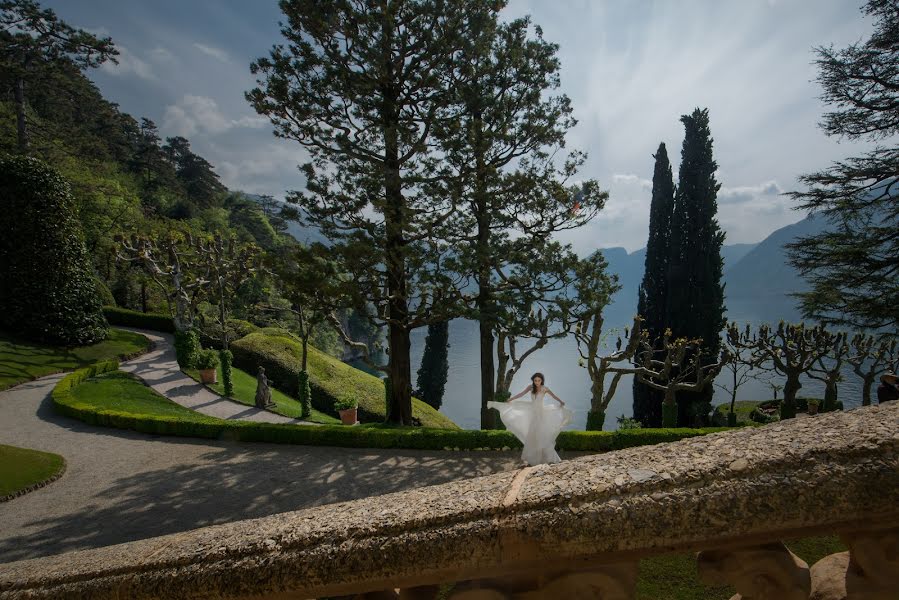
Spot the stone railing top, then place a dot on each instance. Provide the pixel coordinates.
(833, 472)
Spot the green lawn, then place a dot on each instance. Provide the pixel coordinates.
(23, 361)
(742, 408)
(21, 468)
(245, 393)
(674, 577)
(119, 391)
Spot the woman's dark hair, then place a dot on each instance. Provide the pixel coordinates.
(534, 385)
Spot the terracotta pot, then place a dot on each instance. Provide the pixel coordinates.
(348, 416)
(209, 375)
(813, 409)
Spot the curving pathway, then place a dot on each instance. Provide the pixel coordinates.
(122, 485)
(159, 369)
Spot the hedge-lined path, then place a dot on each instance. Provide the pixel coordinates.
(159, 369)
(122, 485)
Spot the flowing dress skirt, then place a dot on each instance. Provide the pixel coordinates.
(536, 425)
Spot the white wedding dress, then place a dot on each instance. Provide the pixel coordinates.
(535, 424)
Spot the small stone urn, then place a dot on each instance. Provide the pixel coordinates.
(813, 408)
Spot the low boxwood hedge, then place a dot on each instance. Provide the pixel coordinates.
(363, 436)
(134, 318)
(329, 378)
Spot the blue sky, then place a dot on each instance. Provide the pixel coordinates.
(631, 68)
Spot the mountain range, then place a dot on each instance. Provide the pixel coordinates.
(758, 277)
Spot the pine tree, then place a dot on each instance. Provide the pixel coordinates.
(363, 87)
(695, 307)
(434, 365)
(851, 267)
(653, 292)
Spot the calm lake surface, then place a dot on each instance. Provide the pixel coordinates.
(558, 360)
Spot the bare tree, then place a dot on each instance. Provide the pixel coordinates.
(790, 350)
(740, 368)
(174, 263)
(672, 366)
(870, 356)
(228, 267)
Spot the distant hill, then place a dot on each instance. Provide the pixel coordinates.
(629, 268)
(758, 286)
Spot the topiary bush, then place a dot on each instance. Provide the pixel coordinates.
(47, 288)
(187, 348)
(207, 360)
(305, 394)
(226, 359)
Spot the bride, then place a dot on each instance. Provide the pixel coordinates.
(534, 423)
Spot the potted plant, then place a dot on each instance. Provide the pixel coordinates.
(812, 406)
(347, 407)
(207, 363)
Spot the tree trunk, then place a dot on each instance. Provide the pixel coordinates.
(400, 364)
(223, 316)
(486, 309)
(20, 115)
(866, 389)
(791, 388)
(305, 351)
(143, 296)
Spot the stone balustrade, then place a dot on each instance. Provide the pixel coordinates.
(572, 530)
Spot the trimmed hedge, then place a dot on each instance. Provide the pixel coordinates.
(135, 318)
(371, 436)
(329, 378)
(48, 292)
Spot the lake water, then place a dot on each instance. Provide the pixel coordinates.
(558, 360)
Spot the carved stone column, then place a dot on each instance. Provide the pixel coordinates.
(605, 582)
(767, 572)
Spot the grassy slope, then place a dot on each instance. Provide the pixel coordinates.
(245, 393)
(337, 378)
(21, 468)
(123, 392)
(23, 361)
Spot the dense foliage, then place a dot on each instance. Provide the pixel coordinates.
(47, 288)
(434, 367)
(652, 300)
(695, 304)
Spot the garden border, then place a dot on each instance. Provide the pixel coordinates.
(36, 486)
(340, 435)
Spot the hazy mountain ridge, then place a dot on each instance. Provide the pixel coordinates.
(758, 277)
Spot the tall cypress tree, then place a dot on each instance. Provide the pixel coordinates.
(434, 367)
(653, 293)
(695, 307)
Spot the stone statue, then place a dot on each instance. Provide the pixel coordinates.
(263, 393)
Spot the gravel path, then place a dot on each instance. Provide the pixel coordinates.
(159, 369)
(122, 485)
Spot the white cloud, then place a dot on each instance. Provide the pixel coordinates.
(128, 64)
(193, 114)
(216, 53)
(645, 184)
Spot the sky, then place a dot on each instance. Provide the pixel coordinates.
(630, 67)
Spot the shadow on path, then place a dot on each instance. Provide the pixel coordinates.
(234, 482)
